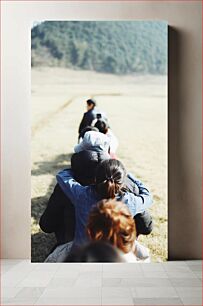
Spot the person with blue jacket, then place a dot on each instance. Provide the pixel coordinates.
(109, 180)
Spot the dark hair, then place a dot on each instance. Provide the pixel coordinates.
(99, 116)
(97, 251)
(84, 165)
(111, 221)
(88, 129)
(102, 126)
(110, 175)
(91, 102)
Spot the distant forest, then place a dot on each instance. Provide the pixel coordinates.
(118, 47)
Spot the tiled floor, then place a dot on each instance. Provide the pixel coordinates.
(171, 283)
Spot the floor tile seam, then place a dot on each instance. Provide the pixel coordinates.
(187, 285)
(10, 272)
(174, 287)
(9, 301)
(201, 269)
(190, 272)
(177, 271)
(181, 298)
(27, 262)
(162, 288)
(20, 288)
(46, 286)
(169, 278)
(196, 262)
(21, 279)
(158, 298)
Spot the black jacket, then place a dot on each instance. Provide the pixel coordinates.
(87, 119)
(59, 215)
(59, 218)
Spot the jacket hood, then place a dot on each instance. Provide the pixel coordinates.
(94, 141)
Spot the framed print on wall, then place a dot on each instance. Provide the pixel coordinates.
(99, 141)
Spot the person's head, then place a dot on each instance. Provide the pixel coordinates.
(95, 251)
(88, 129)
(102, 126)
(94, 141)
(110, 176)
(84, 165)
(91, 103)
(111, 221)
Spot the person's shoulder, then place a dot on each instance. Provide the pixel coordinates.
(64, 172)
(110, 133)
(86, 114)
(125, 196)
(90, 114)
(86, 189)
(91, 191)
(88, 195)
(93, 113)
(131, 176)
(90, 188)
(130, 257)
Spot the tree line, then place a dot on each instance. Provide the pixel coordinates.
(118, 47)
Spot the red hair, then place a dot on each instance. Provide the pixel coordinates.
(111, 221)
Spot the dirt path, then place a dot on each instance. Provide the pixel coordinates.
(137, 111)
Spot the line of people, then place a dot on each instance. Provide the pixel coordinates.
(97, 209)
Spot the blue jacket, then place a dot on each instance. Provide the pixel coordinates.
(85, 197)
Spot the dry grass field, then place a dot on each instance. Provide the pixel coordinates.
(137, 110)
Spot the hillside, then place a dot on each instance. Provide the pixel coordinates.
(118, 47)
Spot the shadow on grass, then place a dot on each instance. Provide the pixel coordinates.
(42, 243)
(53, 166)
(41, 246)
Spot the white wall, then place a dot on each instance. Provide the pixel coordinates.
(184, 18)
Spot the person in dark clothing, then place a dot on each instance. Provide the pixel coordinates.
(143, 223)
(59, 215)
(95, 251)
(109, 180)
(89, 116)
(84, 165)
(87, 129)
